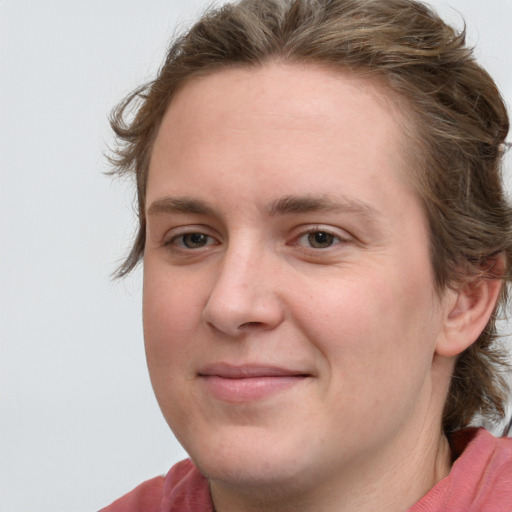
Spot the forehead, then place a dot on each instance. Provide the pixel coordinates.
(265, 119)
(309, 92)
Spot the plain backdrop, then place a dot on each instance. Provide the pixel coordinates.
(79, 425)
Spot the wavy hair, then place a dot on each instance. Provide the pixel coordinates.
(457, 142)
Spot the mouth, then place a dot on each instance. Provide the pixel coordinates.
(247, 383)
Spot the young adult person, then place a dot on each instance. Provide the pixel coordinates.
(326, 247)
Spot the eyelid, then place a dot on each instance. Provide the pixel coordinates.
(182, 246)
(342, 235)
(178, 232)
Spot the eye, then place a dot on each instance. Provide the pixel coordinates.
(191, 241)
(319, 239)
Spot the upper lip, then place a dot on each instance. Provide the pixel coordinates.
(230, 371)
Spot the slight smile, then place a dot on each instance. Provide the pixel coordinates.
(245, 383)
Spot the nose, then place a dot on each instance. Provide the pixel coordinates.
(244, 295)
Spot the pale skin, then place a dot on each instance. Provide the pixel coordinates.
(295, 340)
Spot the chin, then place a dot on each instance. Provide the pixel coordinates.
(251, 460)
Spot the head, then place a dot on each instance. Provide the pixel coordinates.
(454, 127)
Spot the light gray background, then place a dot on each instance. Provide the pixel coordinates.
(78, 423)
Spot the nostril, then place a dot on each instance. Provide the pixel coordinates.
(249, 325)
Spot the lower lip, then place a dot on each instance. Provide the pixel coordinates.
(249, 388)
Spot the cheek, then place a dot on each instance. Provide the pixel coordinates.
(170, 314)
(373, 324)
(170, 319)
(378, 346)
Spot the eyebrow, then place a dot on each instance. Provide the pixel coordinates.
(179, 205)
(283, 206)
(306, 204)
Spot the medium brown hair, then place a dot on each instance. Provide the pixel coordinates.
(457, 142)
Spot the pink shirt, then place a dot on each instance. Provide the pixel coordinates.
(480, 481)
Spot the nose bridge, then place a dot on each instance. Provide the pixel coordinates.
(243, 295)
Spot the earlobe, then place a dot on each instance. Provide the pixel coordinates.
(468, 310)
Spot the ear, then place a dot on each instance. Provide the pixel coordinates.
(468, 309)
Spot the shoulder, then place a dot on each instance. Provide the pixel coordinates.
(485, 471)
(145, 497)
(480, 479)
(482, 456)
(184, 489)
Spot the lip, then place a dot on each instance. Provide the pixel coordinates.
(245, 383)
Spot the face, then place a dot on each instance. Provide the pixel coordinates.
(290, 316)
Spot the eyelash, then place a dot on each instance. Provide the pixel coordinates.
(174, 241)
(178, 242)
(335, 239)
